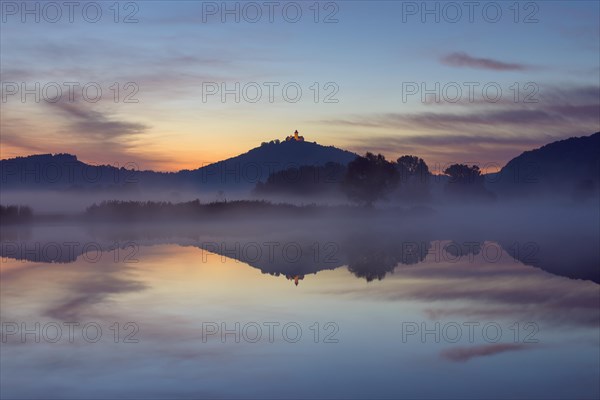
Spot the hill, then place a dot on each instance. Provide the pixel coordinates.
(565, 168)
(66, 172)
(246, 170)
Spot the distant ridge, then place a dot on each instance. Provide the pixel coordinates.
(569, 167)
(65, 171)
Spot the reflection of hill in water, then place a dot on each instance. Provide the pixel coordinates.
(367, 256)
(369, 253)
(570, 256)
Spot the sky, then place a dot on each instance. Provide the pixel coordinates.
(179, 84)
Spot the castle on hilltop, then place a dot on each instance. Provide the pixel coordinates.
(296, 137)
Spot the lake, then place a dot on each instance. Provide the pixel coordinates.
(159, 312)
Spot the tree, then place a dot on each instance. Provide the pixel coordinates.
(369, 178)
(463, 174)
(414, 178)
(15, 214)
(307, 180)
(466, 182)
(413, 166)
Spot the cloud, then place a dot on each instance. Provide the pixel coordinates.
(492, 117)
(92, 131)
(95, 123)
(463, 354)
(495, 132)
(441, 149)
(436, 146)
(13, 137)
(554, 106)
(460, 59)
(509, 115)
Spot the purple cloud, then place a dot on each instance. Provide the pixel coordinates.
(85, 120)
(463, 354)
(460, 59)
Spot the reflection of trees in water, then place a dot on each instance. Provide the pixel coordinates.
(15, 214)
(369, 254)
(372, 257)
(372, 264)
(463, 249)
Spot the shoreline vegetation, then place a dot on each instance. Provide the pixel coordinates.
(196, 211)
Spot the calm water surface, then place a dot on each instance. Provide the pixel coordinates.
(178, 319)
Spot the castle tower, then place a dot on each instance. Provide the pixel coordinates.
(296, 137)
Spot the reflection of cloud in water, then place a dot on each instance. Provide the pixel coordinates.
(71, 291)
(462, 354)
(504, 289)
(89, 293)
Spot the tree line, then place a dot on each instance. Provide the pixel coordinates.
(371, 177)
(15, 214)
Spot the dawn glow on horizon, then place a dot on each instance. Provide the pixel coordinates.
(367, 76)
